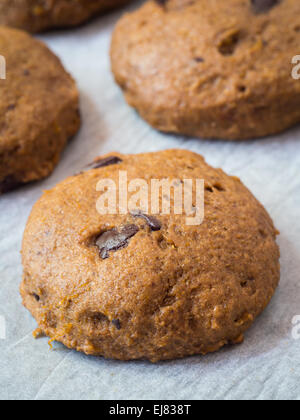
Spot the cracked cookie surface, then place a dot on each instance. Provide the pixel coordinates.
(211, 69)
(136, 285)
(39, 110)
(39, 15)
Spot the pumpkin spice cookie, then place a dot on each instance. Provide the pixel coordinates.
(134, 285)
(211, 69)
(39, 15)
(38, 110)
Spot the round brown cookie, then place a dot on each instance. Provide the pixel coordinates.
(211, 69)
(39, 15)
(38, 109)
(130, 286)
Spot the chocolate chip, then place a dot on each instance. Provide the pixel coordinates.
(101, 163)
(152, 221)
(8, 184)
(199, 59)
(116, 323)
(113, 240)
(36, 297)
(262, 6)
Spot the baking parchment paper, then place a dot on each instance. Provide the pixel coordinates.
(266, 366)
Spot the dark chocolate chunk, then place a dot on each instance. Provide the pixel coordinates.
(262, 6)
(36, 297)
(199, 59)
(101, 163)
(116, 323)
(151, 220)
(8, 184)
(113, 240)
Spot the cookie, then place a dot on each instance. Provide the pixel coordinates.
(134, 285)
(39, 15)
(211, 69)
(38, 109)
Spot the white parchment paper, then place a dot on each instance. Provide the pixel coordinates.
(266, 366)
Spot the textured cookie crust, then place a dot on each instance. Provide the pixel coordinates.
(39, 15)
(172, 290)
(211, 69)
(38, 109)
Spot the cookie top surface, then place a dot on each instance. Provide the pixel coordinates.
(38, 107)
(151, 287)
(211, 68)
(36, 15)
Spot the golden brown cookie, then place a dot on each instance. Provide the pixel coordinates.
(130, 286)
(38, 109)
(211, 69)
(38, 15)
